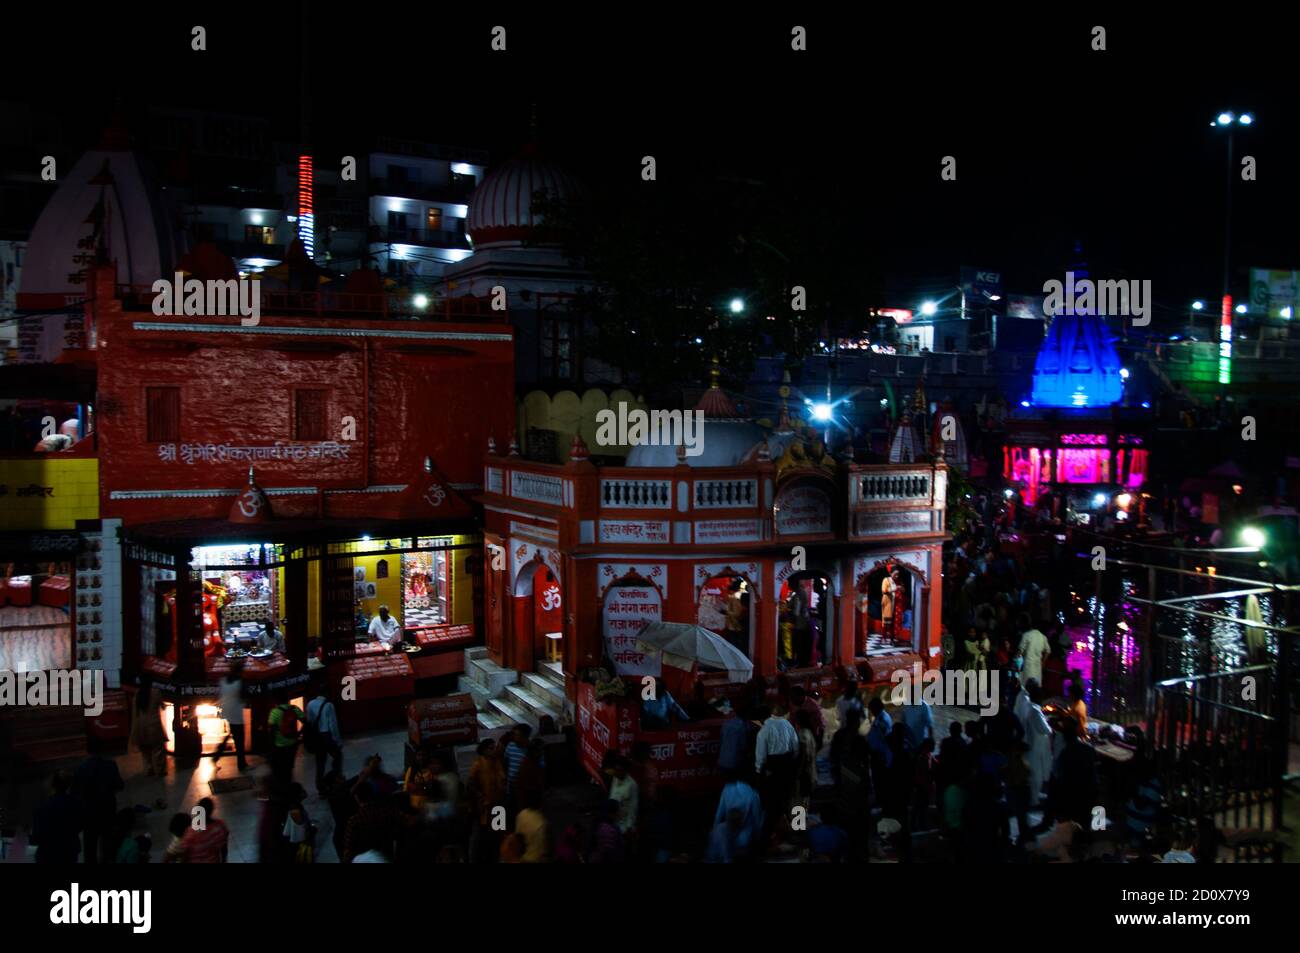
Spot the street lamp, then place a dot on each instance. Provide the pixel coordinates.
(737, 305)
(1229, 121)
(1253, 537)
(1198, 305)
(929, 309)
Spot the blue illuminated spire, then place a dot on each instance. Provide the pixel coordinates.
(1077, 365)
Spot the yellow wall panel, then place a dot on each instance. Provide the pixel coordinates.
(73, 492)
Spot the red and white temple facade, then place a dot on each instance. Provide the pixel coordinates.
(768, 519)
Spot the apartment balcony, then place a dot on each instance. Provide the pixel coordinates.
(420, 236)
(456, 193)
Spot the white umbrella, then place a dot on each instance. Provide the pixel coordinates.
(685, 646)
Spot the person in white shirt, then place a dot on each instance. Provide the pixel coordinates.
(776, 754)
(1038, 735)
(232, 710)
(322, 736)
(1034, 649)
(386, 629)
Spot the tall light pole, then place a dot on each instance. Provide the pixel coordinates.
(1228, 121)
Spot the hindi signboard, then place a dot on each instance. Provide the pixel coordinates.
(626, 611)
(802, 510)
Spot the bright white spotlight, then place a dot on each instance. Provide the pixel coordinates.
(1286, 312)
(929, 308)
(822, 412)
(1253, 537)
(1240, 309)
(1123, 373)
(420, 301)
(1099, 500)
(1245, 119)
(1225, 118)
(1198, 305)
(737, 306)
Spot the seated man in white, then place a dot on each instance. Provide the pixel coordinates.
(386, 629)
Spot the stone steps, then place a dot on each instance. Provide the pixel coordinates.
(480, 694)
(537, 706)
(545, 688)
(490, 676)
(490, 720)
(511, 711)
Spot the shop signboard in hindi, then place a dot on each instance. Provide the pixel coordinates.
(634, 531)
(802, 510)
(727, 531)
(597, 729)
(626, 612)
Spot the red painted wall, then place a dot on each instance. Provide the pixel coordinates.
(410, 397)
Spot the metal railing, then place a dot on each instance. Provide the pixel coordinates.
(1215, 748)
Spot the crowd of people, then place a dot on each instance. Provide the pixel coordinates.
(835, 778)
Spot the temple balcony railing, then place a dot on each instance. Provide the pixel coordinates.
(618, 494)
(892, 485)
(537, 488)
(658, 506)
(724, 494)
(897, 500)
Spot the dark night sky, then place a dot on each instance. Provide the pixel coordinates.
(1054, 142)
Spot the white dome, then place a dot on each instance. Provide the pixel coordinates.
(501, 208)
(724, 443)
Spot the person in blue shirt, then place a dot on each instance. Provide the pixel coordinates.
(878, 745)
(657, 710)
(744, 828)
(919, 719)
(882, 726)
(735, 739)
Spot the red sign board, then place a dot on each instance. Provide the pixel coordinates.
(452, 720)
(686, 754)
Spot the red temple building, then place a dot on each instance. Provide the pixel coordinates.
(762, 537)
(263, 489)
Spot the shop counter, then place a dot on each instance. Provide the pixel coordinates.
(20, 590)
(385, 683)
(113, 724)
(56, 591)
(441, 649)
(217, 667)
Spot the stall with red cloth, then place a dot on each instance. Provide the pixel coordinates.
(383, 684)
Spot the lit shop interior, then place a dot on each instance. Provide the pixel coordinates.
(281, 610)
